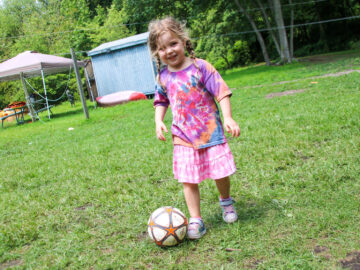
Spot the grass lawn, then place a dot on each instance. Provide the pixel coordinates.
(81, 198)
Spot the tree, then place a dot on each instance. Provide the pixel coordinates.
(291, 29)
(210, 32)
(257, 32)
(93, 6)
(269, 26)
(284, 47)
(143, 11)
(109, 27)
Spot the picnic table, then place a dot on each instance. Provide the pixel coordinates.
(18, 112)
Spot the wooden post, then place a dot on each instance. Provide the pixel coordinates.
(89, 84)
(81, 91)
(28, 103)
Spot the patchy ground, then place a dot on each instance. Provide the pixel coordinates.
(352, 261)
(285, 93)
(9, 264)
(337, 74)
(327, 58)
(291, 92)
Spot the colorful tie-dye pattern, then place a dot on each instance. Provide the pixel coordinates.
(191, 93)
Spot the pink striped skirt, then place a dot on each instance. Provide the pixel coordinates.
(195, 165)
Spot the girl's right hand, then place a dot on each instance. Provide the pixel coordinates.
(160, 127)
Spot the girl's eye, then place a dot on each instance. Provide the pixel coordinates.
(173, 43)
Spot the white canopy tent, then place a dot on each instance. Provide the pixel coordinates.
(30, 64)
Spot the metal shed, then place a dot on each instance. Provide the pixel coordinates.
(124, 64)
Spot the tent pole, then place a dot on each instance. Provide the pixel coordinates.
(28, 103)
(88, 81)
(47, 103)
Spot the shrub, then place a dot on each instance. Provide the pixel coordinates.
(239, 54)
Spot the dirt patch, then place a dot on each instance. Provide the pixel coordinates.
(195, 255)
(142, 236)
(253, 263)
(6, 265)
(83, 207)
(352, 261)
(107, 251)
(285, 93)
(322, 251)
(337, 74)
(299, 154)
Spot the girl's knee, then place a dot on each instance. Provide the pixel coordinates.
(190, 186)
(223, 180)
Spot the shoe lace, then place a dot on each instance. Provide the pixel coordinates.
(194, 226)
(228, 209)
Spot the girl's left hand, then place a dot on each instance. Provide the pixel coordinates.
(231, 127)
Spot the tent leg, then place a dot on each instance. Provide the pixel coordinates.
(28, 103)
(47, 103)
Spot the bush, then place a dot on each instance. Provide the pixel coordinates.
(220, 64)
(239, 54)
(354, 45)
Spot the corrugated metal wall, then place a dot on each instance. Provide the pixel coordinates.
(126, 69)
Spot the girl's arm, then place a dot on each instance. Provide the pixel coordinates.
(229, 123)
(160, 112)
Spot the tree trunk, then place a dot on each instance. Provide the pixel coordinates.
(322, 33)
(291, 30)
(268, 25)
(282, 32)
(258, 34)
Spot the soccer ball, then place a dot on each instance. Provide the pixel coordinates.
(167, 226)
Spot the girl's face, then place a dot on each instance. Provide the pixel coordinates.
(171, 50)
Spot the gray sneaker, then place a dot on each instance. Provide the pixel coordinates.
(229, 213)
(196, 228)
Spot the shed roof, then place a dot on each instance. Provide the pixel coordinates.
(119, 44)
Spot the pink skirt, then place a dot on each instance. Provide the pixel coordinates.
(195, 165)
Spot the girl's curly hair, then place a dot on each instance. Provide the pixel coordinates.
(157, 28)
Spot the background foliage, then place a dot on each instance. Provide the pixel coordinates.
(221, 32)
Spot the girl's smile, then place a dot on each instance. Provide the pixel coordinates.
(171, 51)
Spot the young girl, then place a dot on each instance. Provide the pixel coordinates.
(190, 86)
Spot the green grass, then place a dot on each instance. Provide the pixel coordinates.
(80, 199)
(304, 68)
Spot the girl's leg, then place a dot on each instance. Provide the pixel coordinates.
(223, 185)
(196, 228)
(226, 202)
(192, 197)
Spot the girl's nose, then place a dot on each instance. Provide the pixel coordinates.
(168, 49)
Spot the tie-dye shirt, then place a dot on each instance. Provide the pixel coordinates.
(191, 93)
